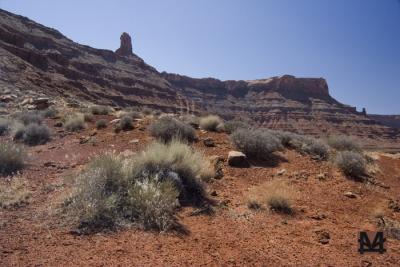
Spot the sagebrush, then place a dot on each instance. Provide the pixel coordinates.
(166, 129)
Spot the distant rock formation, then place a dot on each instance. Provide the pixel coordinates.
(125, 48)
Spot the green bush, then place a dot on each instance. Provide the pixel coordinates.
(352, 164)
(344, 143)
(126, 123)
(12, 158)
(101, 124)
(35, 134)
(210, 123)
(167, 129)
(100, 110)
(75, 123)
(256, 143)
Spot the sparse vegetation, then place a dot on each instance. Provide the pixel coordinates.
(126, 123)
(147, 111)
(142, 191)
(344, 143)
(315, 148)
(167, 129)
(101, 124)
(88, 117)
(35, 134)
(191, 120)
(352, 164)
(75, 123)
(12, 158)
(256, 143)
(210, 123)
(100, 110)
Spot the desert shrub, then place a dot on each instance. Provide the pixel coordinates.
(101, 124)
(100, 110)
(135, 114)
(18, 130)
(315, 148)
(344, 143)
(12, 158)
(88, 117)
(27, 117)
(147, 111)
(351, 163)
(210, 123)
(233, 125)
(176, 163)
(49, 112)
(191, 120)
(35, 134)
(142, 191)
(255, 143)
(167, 129)
(75, 123)
(4, 126)
(126, 123)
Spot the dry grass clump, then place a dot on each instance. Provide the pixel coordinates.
(101, 124)
(256, 143)
(167, 129)
(88, 117)
(344, 143)
(12, 158)
(191, 120)
(210, 123)
(142, 191)
(147, 111)
(276, 194)
(75, 123)
(100, 110)
(14, 193)
(315, 148)
(353, 164)
(33, 134)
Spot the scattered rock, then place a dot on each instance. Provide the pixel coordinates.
(391, 227)
(321, 176)
(50, 164)
(350, 194)
(214, 193)
(58, 124)
(41, 103)
(84, 139)
(323, 236)
(318, 216)
(237, 159)
(6, 98)
(115, 121)
(209, 142)
(217, 162)
(134, 141)
(366, 263)
(281, 172)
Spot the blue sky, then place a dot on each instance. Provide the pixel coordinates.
(354, 44)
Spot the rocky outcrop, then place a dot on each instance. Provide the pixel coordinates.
(387, 120)
(38, 60)
(126, 45)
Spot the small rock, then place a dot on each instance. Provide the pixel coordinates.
(41, 103)
(209, 142)
(93, 133)
(50, 164)
(214, 193)
(6, 98)
(237, 159)
(84, 139)
(323, 236)
(58, 124)
(321, 176)
(366, 263)
(350, 194)
(281, 172)
(134, 141)
(318, 216)
(115, 121)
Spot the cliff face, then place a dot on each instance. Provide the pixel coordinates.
(35, 59)
(388, 120)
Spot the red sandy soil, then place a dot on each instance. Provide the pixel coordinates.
(36, 235)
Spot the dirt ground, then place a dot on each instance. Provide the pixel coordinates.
(36, 235)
